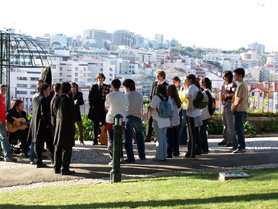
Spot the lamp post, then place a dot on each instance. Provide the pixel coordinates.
(115, 174)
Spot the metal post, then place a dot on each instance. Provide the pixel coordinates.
(115, 174)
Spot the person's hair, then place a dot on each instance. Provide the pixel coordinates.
(207, 82)
(197, 82)
(40, 81)
(75, 85)
(161, 73)
(43, 87)
(173, 92)
(116, 83)
(66, 87)
(162, 89)
(240, 71)
(229, 75)
(129, 83)
(176, 78)
(16, 102)
(100, 75)
(191, 77)
(56, 87)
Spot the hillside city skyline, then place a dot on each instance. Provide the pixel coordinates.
(227, 25)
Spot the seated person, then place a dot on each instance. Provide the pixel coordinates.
(17, 112)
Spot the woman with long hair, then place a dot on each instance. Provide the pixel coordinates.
(160, 124)
(77, 97)
(206, 86)
(172, 131)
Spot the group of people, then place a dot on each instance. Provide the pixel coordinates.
(54, 115)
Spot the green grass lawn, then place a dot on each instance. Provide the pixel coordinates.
(188, 191)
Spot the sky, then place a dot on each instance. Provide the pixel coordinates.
(224, 24)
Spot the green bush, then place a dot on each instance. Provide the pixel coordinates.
(214, 128)
(250, 129)
(272, 127)
(88, 129)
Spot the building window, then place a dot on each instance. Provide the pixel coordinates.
(101, 69)
(76, 74)
(33, 85)
(32, 92)
(76, 68)
(22, 78)
(61, 69)
(21, 92)
(34, 78)
(61, 74)
(53, 66)
(21, 85)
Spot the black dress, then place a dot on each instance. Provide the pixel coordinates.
(78, 100)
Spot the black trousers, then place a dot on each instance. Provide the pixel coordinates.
(204, 138)
(97, 120)
(172, 142)
(110, 145)
(149, 129)
(39, 144)
(62, 158)
(192, 137)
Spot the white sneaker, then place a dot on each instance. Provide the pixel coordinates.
(110, 163)
(239, 150)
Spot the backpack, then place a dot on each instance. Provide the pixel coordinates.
(165, 110)
(211, 103)
(201, 100)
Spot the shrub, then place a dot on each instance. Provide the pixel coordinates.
(272, 127)
(250, 129)
(214, 128)
(88, 129)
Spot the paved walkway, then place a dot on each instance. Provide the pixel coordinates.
(91, 162)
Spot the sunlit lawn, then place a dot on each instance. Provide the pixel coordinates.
(187, 191)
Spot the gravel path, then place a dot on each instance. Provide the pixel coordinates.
(98, 154)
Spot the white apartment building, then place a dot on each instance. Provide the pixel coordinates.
(59, 40)
(224, 59)
(23, 84)
(83, 72)
(257, 47)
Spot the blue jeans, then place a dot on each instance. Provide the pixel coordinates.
(5, 141)
(161, 143)
(239, 139)
(134, 123)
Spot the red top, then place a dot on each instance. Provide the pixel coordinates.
(2, 109)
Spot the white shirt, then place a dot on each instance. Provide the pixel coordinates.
(205, 111)
(193, 90)
(176, 116)
(135, 107)
(162, 122)
(117, 102)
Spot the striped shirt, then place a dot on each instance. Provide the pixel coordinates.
(230, 89)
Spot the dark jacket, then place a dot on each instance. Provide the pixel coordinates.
(64, 130)
(13, 113)
(78, 97)
(154, 88)
(53, 116)
(40, 121)
(97, 100)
